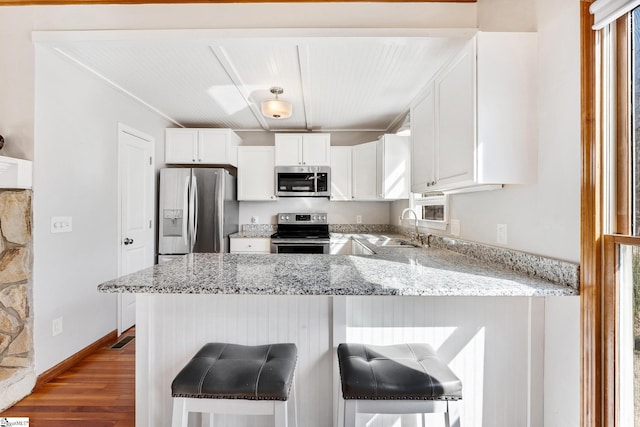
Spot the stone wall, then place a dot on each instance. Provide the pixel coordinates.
(17, 372)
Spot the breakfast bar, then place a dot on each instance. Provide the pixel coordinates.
(486, 321)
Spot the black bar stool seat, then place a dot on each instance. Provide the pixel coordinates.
(394, 373)
(221, 376)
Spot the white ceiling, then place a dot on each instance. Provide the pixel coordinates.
(334, 83)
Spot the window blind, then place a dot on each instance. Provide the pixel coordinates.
(607, 11)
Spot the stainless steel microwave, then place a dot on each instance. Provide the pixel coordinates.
(303, 181)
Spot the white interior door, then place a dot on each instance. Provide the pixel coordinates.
(136, 195)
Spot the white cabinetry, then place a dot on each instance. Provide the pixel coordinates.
(365, 175)
(476, 123)
(423, 140)
(393, 167)
(250, 245)
(311, 149)
(256, 176)
(341, 173)
(201, 146)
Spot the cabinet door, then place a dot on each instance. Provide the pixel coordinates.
(256, 176)
(455, 120)
(288, 149)
(316, 149)
(180, 145)
(365, 178)
(394, 167)
(423, 141)
(340, 173)
(214, 147)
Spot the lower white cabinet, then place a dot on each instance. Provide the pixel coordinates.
(250, 245)
(256, 176)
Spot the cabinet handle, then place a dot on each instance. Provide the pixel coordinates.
(433, 182)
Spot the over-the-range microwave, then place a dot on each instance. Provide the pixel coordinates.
(303, 181)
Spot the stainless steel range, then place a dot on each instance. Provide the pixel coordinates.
(301, 233)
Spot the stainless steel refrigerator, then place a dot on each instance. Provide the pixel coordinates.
(198, 211)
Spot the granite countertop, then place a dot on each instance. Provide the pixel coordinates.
(390, 271)
(253, 234)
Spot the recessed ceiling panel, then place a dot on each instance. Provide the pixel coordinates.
(368, 83)
(184, 81)
(334, 83)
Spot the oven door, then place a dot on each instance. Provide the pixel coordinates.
(299, 247)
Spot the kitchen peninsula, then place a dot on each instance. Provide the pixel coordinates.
(486, 321)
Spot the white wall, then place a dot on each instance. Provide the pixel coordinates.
(75, 174)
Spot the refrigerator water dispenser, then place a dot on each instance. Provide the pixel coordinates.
(172, 222)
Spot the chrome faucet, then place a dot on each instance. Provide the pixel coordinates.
(415, 215)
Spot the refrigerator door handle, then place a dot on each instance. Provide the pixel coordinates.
(185, 222)
(195, 212)
(218, 222)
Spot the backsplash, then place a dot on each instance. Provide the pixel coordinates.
(557, 271)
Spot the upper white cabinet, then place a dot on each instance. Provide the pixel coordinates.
(341, 173)
(201, 146)
(310, 149)
(256, 177)
(476, 123)
(393, 167)
(365, 174)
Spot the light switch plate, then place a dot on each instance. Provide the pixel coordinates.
(61, 224)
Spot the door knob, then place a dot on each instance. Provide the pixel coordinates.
(128, 241)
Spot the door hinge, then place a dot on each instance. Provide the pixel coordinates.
(150, 223)
(150, 161)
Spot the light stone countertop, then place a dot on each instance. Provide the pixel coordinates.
(390, 271)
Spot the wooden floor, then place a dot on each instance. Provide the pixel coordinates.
(98, 392)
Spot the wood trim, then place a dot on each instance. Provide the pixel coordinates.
(624, 219)
(96, 2)
(74, 359)
(590, 229)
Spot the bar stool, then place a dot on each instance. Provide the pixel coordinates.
(235, 379)
(397, 379)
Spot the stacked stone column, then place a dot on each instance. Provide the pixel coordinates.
(17, 375)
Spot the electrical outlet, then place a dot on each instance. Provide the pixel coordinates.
(56, 326)
(358, 219)
(501, 234)
(455, 227)
(254, 219)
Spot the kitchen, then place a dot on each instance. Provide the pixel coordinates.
(546, 213)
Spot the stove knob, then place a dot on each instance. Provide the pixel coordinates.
(287, 217)
(324, 217)
(314, 218)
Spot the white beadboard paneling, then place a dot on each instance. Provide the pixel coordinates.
(485, 340)
(179, 325)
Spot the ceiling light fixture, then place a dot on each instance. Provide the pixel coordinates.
(276, 108)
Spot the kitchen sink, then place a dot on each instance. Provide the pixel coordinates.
(394, 243)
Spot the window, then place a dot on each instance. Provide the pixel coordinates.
(431, 209)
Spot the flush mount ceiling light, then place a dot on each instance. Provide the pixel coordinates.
(275, 108)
